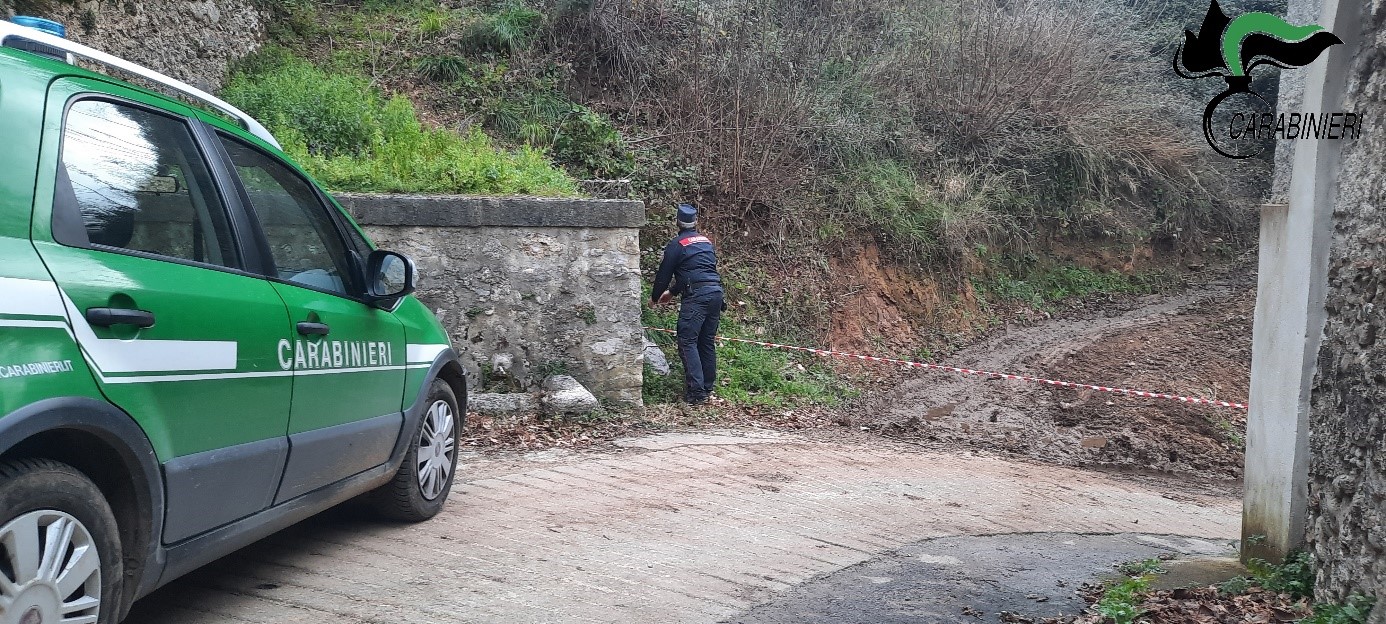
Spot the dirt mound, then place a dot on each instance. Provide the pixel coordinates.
(1194, 344)
(883, 305)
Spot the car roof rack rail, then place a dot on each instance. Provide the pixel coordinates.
(10, 29)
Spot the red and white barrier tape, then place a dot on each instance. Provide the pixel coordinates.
(982, 373)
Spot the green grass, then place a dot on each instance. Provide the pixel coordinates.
(1120, 601)
(746, 374)
(931, 220)
(353, 138)
(1045, 288)
(472, 54)
(510, 29)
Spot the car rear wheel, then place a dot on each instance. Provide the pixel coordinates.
(59, 550)
(421, 486)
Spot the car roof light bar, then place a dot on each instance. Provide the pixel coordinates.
(9, 29)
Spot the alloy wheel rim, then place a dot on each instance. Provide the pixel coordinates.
(436, 446)
(50, 570)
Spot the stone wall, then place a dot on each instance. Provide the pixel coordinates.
(1347, 480)
(192, 40)
(526, 287)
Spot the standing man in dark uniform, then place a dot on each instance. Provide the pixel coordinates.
(692, 265)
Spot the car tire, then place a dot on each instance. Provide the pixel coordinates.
(59, 548)
(420, 487)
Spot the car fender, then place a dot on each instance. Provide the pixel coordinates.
(414, 412)
(117, 430)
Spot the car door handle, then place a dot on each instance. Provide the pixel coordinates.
(313, 329)
(106, 317)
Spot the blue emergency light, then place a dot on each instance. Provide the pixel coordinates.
(38, 23)
(45, 26)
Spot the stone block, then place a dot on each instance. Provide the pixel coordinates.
(565, 395)
(654, 358)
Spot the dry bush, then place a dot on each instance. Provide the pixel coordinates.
(787, 107)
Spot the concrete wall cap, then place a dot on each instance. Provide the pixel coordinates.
(483, 211)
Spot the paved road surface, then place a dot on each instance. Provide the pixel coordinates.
(690, 527)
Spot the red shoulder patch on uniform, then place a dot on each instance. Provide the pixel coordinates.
(694, 239)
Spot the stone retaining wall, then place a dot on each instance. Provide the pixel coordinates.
(1347, 475)
(527, 287)
(192, 40)
(1346, 529)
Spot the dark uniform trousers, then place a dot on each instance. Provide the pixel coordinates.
(699, 316)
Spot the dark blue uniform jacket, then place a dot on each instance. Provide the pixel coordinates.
(688, 260)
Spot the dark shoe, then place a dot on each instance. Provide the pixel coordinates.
(695, 400)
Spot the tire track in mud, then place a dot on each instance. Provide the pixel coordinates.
(1055, 425)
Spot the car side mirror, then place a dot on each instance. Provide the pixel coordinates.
(389, 276)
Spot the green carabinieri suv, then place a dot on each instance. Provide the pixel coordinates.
(198, 346)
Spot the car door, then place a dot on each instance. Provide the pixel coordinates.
(349, 357)
(149, 260)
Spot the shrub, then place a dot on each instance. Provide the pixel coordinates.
(435, 20)
(807, 113)
(506, 31)
(334, 114)
(444, 67)
(353, 139)
(590, 147)
(940, 220)
(1295, 576)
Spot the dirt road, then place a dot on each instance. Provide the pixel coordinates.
(678, 527)
(1195, 344)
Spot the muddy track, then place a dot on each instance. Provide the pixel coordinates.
(1157, 342)
(1028, 349)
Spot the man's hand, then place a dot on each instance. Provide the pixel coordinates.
(666, 297)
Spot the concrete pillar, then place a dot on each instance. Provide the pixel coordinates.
(1290, 317)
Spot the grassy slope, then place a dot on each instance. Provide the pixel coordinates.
(810, 139)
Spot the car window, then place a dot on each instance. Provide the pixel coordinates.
(140, 184)
(303, 239)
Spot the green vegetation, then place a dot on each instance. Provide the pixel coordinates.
(1295, 577)
(354, 139)
(1120, 602)
(746, 374)
(508, 30)
(928, 222)
(1045, 288)
(1354, 611)
(474, 65)
(587, 313)
(1235, 437)
(552, 367)
(1142, 568)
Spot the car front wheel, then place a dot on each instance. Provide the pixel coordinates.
(59, 549)
(421, 486)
